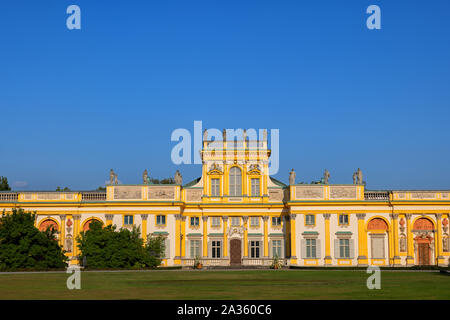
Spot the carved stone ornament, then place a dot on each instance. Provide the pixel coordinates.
(235, 232)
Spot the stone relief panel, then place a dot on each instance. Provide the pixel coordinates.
(348, 192)
(49, 196)
(127, 193)
(445, 196)
(161, 193)
(423, 195)
(194, 195)
(401, 195)
(309, 192)
(276, 195)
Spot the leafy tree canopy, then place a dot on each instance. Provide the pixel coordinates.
(65, 189)
(23, 246)
(4, 186)
(162, 181)
(106, 248)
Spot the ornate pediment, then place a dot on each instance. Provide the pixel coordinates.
(254, 169)
(215, 169)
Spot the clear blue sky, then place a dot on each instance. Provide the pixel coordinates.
(76, 103)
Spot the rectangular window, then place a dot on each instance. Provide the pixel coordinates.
(311, 248)
(216, 249)
(343, 219)
(276, 248)
(254, 249)
(254, 221)
(276, 221)
(235, 221)
(195, 221)
(160, 220)
(195, 248)
(310, 220)
(344, 248)
(215, 221)
(377, 248)
(255, 187)
(215, 187)
(128, 220)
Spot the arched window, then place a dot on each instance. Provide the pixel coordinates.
(235, 182)
(48, 223)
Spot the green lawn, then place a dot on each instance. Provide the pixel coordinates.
(258, 284)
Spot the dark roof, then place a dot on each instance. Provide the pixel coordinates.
(193, 182)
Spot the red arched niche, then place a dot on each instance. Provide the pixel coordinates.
(377, 224)
(423, 224)
(48, 223)
(87, 223)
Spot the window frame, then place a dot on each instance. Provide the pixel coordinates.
(307, 222)
(126, 218)
(255, 249)
(158, 223)
(255, 191)
(342, 223)
(215, 187)
(197, 225)
(235, 181)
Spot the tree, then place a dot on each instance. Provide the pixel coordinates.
(65, 189)
(23, 246)
(155, 249)
(163, 181)
(106, 248)
(101, 188)
(4, 186)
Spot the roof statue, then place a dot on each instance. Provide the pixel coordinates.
(292, 177)
(359, 176)
(326, 176)
(145, 177)
(112, 177)
(178, 178)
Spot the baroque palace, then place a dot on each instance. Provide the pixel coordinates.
(236, 214)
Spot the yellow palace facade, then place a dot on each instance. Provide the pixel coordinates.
(236, 214)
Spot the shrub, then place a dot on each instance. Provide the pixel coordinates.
(23, 246)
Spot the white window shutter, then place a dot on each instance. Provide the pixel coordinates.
(209, 254)
(318, 251)
(271, 249)
(282, 249)
(336, 249)
(303, 248)
(167, 248)
(188, 249)
(352, 248)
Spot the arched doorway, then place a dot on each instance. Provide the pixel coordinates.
(235, 252)
(379, 240)
(423, 241)
(88, 222)
(48, 223)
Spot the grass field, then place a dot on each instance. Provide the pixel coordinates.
(248, 284)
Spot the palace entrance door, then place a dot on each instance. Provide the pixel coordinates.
(235, 252)
(424, 253)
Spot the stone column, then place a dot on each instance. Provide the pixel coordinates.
(76, 232)
(62, 233)
(266, 237)
(183, 236)
(144, 218)
(395, 240)
(439, 252)
(225, 236)
(362, 241)
(177, 258)
(293, 237)
(205, 236)
(410, 241)
(328, 259)
(245, 219)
